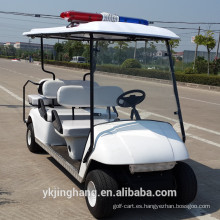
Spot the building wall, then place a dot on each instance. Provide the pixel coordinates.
(31, 46)
(8, 44)
(188, 55)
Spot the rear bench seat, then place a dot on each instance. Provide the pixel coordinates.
(48, 94)
(75, 132)
(48, 90)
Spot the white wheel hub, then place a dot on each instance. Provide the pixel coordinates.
(29, 137)
(92, 194)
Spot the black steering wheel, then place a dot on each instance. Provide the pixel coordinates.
(126, 101)
(130, 101)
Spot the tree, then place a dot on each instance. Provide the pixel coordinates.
(10, 50)
(201, 65)
(131, 63)
(174, 44)
(86, 52)
(103, 55)
(216, 65)
(73, 48)
(68, 50)
(58, 47)
(2, 49)
(78, 48)
(121, 54)
(208, 41)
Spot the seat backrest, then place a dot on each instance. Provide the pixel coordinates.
(41, 82)
(79, 96)
(50, 87)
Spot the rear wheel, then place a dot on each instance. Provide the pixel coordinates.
(98, 181)
(186, 184)
(30, 139)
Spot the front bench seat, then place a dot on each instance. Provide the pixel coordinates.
(76, 132)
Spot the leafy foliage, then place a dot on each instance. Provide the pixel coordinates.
(68, 64)
(103, 55)
(189, 70)
(86, 52)
(131, 63)
(174, 44)
(199, 79)
(121, 54)
(215, 66)
(208, 41)
(58, 47)
(201, 65)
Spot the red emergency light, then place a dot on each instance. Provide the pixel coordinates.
(81, 17)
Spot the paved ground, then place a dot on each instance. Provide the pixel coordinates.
(23, 175)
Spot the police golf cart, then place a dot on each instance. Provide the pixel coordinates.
(78, 122)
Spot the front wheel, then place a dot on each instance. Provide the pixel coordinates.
(30, 139)
(186, 184)
(97, 183)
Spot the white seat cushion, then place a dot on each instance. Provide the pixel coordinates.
(103, 96)
(33, 100)
(78, 128)
(81, 113)
(51, 87)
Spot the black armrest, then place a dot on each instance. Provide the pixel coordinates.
(42, 109)
(56, 122)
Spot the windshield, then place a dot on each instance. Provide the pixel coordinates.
(142, 65)
(81, 59)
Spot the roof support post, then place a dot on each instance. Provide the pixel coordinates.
(42, 58)
(92, 69)
(176, 92)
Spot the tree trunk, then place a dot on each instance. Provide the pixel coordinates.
(208, 60)
(119, 59)
(135, 49)
(145, 54)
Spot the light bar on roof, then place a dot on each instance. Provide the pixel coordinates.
(80, 17)
(84, 17)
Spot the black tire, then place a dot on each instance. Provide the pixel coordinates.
(186, 184)
(103, 205)
(30, 139)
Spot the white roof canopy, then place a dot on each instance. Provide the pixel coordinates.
(102, 30)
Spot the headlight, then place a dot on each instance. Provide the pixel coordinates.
(150, 167)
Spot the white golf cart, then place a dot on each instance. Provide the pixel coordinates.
(77, 123)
